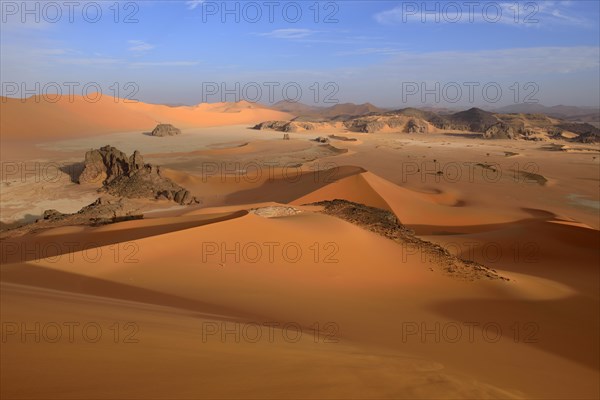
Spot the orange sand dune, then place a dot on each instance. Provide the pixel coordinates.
(370, 296)
(263, 185)
(182, 268)
(66, 117)
(353, 188)
(411, 207)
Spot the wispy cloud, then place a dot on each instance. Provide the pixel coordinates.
(139, 46)
(526, 14)
(192, 4)
(290, 33)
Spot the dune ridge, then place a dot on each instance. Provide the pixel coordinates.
(65, 117)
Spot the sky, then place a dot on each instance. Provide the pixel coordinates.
(389, 53)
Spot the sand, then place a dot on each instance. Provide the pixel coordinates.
(181, 296)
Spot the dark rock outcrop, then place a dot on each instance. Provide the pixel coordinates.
(416, 126)
(472, 120)
(373, 124)
(289, 126)
(165, 130)
(53, 215)
(500, 130)
(130, 177)
(587, 132)
(102, 211)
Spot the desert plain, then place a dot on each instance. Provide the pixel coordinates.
(392, 262)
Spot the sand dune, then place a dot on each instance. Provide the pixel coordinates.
(369, 295)
(179, 270)
(77, 116)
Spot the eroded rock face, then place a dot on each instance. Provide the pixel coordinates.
(373, 124)
(289, 126)
(500, 130)
(165, 130)
(416, 126)
(130, 177)
(103, 165)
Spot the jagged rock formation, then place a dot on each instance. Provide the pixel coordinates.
(500, 130)
(589, 137)
(103, 210)
(130, 177)
(411, 120)
(288, 126)
(373, 123)
(165, 130)
(586, 133)
(322, 139)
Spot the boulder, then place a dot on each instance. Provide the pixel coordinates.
(165, 130)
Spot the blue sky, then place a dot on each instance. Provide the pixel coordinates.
(358, 51)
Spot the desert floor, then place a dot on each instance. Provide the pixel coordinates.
(214, 301)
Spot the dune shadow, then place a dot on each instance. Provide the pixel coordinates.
(285, 190)
(31, 275)
(27, 248)
(568, 328)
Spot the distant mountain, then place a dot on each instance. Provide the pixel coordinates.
(295, 108)
(352, 109)
(472, 120)
(589, 115)
(559, 111)
(339, 110)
